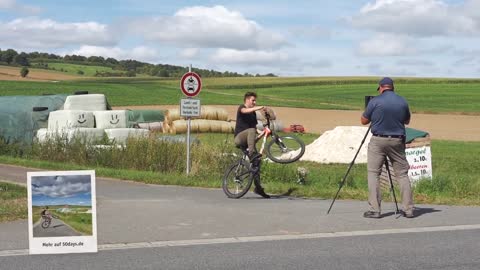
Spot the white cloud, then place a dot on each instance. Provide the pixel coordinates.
(208, 27)
(13, 5)
(387, 45)
(424, 18)
(140, 53)
(249, 57)
(61, 186)
(37, 33)
(189, 53)
(415, 62)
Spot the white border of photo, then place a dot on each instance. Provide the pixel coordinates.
(62, 244)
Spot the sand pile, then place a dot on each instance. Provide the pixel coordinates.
(338, 146)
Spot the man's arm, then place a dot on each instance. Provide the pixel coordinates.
(250, 110)
(364, 121)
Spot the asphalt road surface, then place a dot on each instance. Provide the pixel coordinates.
(166, 227)
(57, 228)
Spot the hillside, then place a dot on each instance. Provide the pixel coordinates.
(13, 74)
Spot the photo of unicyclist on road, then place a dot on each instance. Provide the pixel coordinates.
(61, 205)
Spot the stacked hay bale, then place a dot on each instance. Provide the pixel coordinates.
(212, 119)
(86, 117)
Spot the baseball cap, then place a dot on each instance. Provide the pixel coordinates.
(385, 80)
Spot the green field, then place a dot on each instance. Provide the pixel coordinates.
(455, 172)
(73, 69)
(423, 95)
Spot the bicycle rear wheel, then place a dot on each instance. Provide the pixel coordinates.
(285, 149)
(237, 180)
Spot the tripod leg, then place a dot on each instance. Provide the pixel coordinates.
(348, 171)
(391, 186)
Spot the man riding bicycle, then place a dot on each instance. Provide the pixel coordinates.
(46, 213)
(246, 133)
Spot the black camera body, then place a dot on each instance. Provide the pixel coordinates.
(367, 100)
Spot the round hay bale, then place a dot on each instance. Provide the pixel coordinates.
(209, 113)
(203, 126)
(194, 126)
(228, 127)
(180, 126)
(165, 127)
(215, 126)
(222, 114)
(173, 115)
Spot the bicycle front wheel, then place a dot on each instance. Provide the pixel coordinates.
(285, 149)
(237, 180)
(45, 223)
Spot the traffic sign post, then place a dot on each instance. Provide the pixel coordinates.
(190, 84)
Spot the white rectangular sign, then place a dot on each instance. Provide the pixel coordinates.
(62, 214)
(190, 107)
(420, 161)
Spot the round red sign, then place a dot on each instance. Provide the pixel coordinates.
(191, 84)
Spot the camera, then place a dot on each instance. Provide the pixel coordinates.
(367, 100)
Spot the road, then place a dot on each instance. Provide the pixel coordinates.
(57, 228)
(166, 227)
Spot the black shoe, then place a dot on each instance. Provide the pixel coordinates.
(261, 192)
(254, 157)
(371, 214)
(407, 214)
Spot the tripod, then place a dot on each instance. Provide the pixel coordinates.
(350, 167)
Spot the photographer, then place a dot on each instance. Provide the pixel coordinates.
(388, 114)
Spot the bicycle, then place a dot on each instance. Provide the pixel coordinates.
(239, 176)
(47, 220)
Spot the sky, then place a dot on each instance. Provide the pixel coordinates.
(415, 38)
(61, 190)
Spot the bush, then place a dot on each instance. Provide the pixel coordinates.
(24, 72)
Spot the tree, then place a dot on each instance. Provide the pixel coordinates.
(21, 59)
(24, 72)
(8, 55)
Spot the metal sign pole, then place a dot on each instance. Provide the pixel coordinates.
(188, 135)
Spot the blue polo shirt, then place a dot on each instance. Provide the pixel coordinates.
(387, 114)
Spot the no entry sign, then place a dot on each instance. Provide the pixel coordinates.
(191, 84)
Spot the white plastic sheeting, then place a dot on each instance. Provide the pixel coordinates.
(92, 102)
(58, 120)
(110, 119)
(120, 135)
(84, 134)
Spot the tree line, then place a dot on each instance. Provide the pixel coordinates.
(122, 68)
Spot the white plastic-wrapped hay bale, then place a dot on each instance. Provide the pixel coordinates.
(152, 126)
(83, 134)
(41, 134)
(110, 119)
(70, 119)
(92, 102)
(120, 135)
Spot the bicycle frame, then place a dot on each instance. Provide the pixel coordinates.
(266, 132)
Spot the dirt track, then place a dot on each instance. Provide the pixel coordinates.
(440, 126)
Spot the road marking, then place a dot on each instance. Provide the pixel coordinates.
(246, 239)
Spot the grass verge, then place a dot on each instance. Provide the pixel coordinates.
(13, 202)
